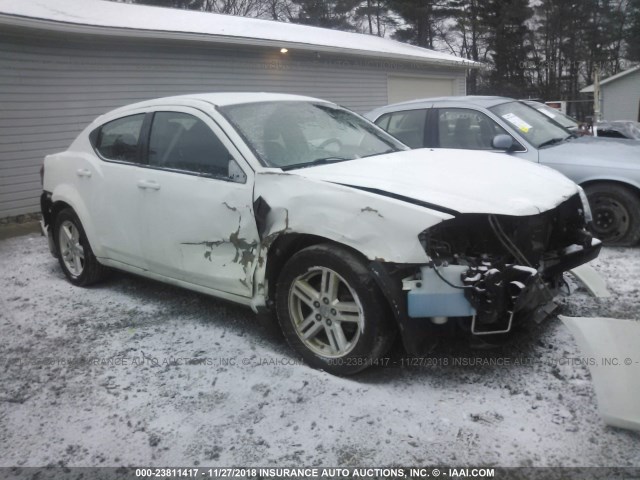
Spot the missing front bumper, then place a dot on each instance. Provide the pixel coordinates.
(487, 299)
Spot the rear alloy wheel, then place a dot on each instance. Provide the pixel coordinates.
(616, 214)
(74, 253)
(331, 311)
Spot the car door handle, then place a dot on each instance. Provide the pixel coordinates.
(83, 172)
(144, 184)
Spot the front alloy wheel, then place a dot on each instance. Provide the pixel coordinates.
(325, 312)
(332, 311)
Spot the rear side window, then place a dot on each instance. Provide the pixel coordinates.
(383, 121)
(118, 140)
(180, 141)
(407, 126)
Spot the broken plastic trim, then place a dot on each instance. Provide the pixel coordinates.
(592, 280)
(616, 385)
(497, 291)
(260, 210)
(490, 332)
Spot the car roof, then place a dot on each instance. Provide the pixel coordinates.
(483, 101)
(479, 100)
(220, 99)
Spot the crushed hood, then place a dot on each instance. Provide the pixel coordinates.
(462, 181)
(593, 151)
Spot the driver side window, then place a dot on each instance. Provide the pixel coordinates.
(466, 129)
(179, 141)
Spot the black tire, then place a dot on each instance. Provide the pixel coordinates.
(366, 339)
(91, 271)
(616, 213)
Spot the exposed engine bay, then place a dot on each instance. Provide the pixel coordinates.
(508, 268)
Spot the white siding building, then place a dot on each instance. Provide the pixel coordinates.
(64, 62)
(620, 95)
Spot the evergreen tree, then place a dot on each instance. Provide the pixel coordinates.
(547, 48)
(375, 16)
(326, 13)
(171, 3)
(420, 18)
(472, 36)
(632, 34)
(506, 22)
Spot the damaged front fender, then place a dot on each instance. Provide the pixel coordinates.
(380, 227)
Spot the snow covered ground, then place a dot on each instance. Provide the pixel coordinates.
(133, 372)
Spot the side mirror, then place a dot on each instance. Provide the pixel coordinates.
(502, 142)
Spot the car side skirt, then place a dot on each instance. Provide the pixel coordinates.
(255, 303)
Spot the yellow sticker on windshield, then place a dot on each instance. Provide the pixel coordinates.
(517, 122)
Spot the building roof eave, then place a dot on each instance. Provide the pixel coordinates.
(589, 88)
(123, 32)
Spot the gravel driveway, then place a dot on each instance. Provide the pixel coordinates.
(133, 372)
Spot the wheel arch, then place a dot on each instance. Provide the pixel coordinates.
(65, 197)
(376, 328)
(631, 235)
(286, 246)
(57, 207)
(613, 181)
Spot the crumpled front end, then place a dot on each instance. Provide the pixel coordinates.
(488, 272)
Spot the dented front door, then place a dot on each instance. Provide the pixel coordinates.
(197, 204)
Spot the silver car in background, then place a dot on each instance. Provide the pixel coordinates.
(607, 168)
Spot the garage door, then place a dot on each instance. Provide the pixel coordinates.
(401, 89)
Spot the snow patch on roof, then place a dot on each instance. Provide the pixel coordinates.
(91, 15)
(219, 99)
(589, 89)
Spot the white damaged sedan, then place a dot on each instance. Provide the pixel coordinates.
(298, 206)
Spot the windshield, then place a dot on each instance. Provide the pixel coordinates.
(296, 134)
(556, 115)
(537, 128)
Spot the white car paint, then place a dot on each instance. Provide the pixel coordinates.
(214, 234)
(379, 227)
(188, 216)
(461, 180)
(197, 230)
